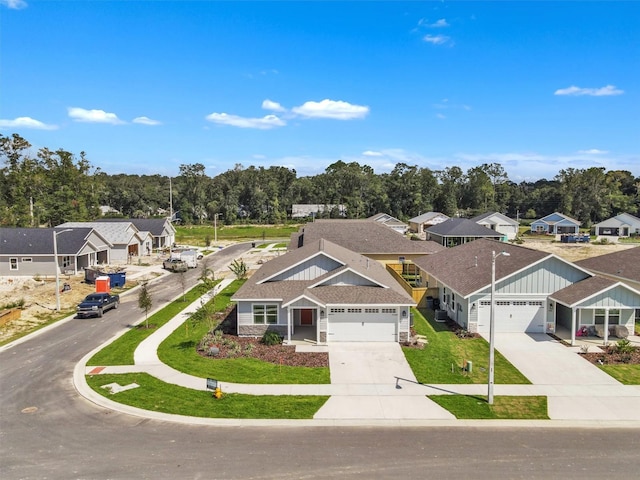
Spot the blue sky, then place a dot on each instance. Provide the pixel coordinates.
(143, 87)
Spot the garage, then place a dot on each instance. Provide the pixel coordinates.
(362, 325)
(513, 316)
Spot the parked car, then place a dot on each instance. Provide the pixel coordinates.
(96, 304)
(175, 265)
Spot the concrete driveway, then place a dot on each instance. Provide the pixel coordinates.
(374, 380)
(545, 361)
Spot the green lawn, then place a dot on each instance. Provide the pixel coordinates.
(196, 235)
(625, 374)
(120, 352)
(179, 352)
(504, 407)
(155, 395)
(442, 358)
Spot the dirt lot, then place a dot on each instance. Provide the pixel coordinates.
(575, 251)
(39, 297)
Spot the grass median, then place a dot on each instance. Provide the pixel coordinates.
(504, 407)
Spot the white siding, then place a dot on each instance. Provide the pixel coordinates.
(308, 270)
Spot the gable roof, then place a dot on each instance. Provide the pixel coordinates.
(39, 241)
(425, 217)
(388, 220)
(115, 232)
(467, 268)
(362, 236)
(387, 291)
(462, 227)
(547, 219)
(618, 220)
(580, 291)
(155, 226)
(624, 264)
(504, 218)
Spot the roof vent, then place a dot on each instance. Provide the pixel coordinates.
(476, 264)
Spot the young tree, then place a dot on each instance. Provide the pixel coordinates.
(145, 302)
(239, 268)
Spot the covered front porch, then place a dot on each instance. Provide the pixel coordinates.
(593, 343)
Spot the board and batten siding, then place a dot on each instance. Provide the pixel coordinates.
(546, 277)
(308, 270)
(614, 298)
(348, 278)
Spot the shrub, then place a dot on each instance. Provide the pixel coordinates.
(624, 346)
(271, 338)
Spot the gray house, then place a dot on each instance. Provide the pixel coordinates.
(422, 222)
(161, 230)
(332, 293)
(391, 222)
(124, 238)
(622, 225)
(535, 291)
(457, 231)
(30, 251)
(500, 223)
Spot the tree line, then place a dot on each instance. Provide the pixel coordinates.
(51, 187)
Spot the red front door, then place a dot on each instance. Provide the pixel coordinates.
(306, 317)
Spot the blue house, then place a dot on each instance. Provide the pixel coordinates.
(555, 223)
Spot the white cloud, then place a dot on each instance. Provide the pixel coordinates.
(26, 122)
(146, 121)
(337, 110)
(439, 23)
(592, 151)
(437, 39)
(607, 91)
(93, 116)
(441, 116)
(14, 4)
(273, 106)
(265, 123)
(371, 153)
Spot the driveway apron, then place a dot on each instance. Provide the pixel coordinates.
(377, 383)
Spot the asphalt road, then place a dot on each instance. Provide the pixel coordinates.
(48, 432)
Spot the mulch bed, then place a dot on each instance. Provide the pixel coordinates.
(610, 357)
(237, 347)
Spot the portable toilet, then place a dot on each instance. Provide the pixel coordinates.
(103, 284)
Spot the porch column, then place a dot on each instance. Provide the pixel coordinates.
(288, 325)
(318, 320)
(606, 327)
(573, 326)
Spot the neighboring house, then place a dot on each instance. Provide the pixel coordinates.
(124, 238)
(555, 224)
(391, 222)
(368, 238)
(424, 221)
(535, 291)
(162, 232)
(623, 266)
(305, 210)
(500, 223)
(622, 225)
(339, 295)
(30, 251)
(457, 231)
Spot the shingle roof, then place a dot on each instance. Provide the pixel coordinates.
(155, 226)
(582, 290)
(364, 236)
(467, 268)
(114, 232)
(624, 264)
(483, 216)
(425, 217)
(39, 241)
(462, 227)
(258, 286)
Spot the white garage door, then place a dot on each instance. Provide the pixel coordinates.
(362, 327)
(513, 316)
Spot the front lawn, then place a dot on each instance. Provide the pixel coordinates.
(442, 359)
(625, 374)
(503, 408)
(155, 395)
(179, 352)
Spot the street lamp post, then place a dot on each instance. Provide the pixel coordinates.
(215, 228)
(57, 266)
(492, 328)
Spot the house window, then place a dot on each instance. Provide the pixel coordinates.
(354, 310)
(66, 261)
(336, 310)
(13, 264)
(371, 310)
(388, 310)
(614, 316)
(265, 314)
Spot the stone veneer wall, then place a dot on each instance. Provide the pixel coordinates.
(259, 330)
